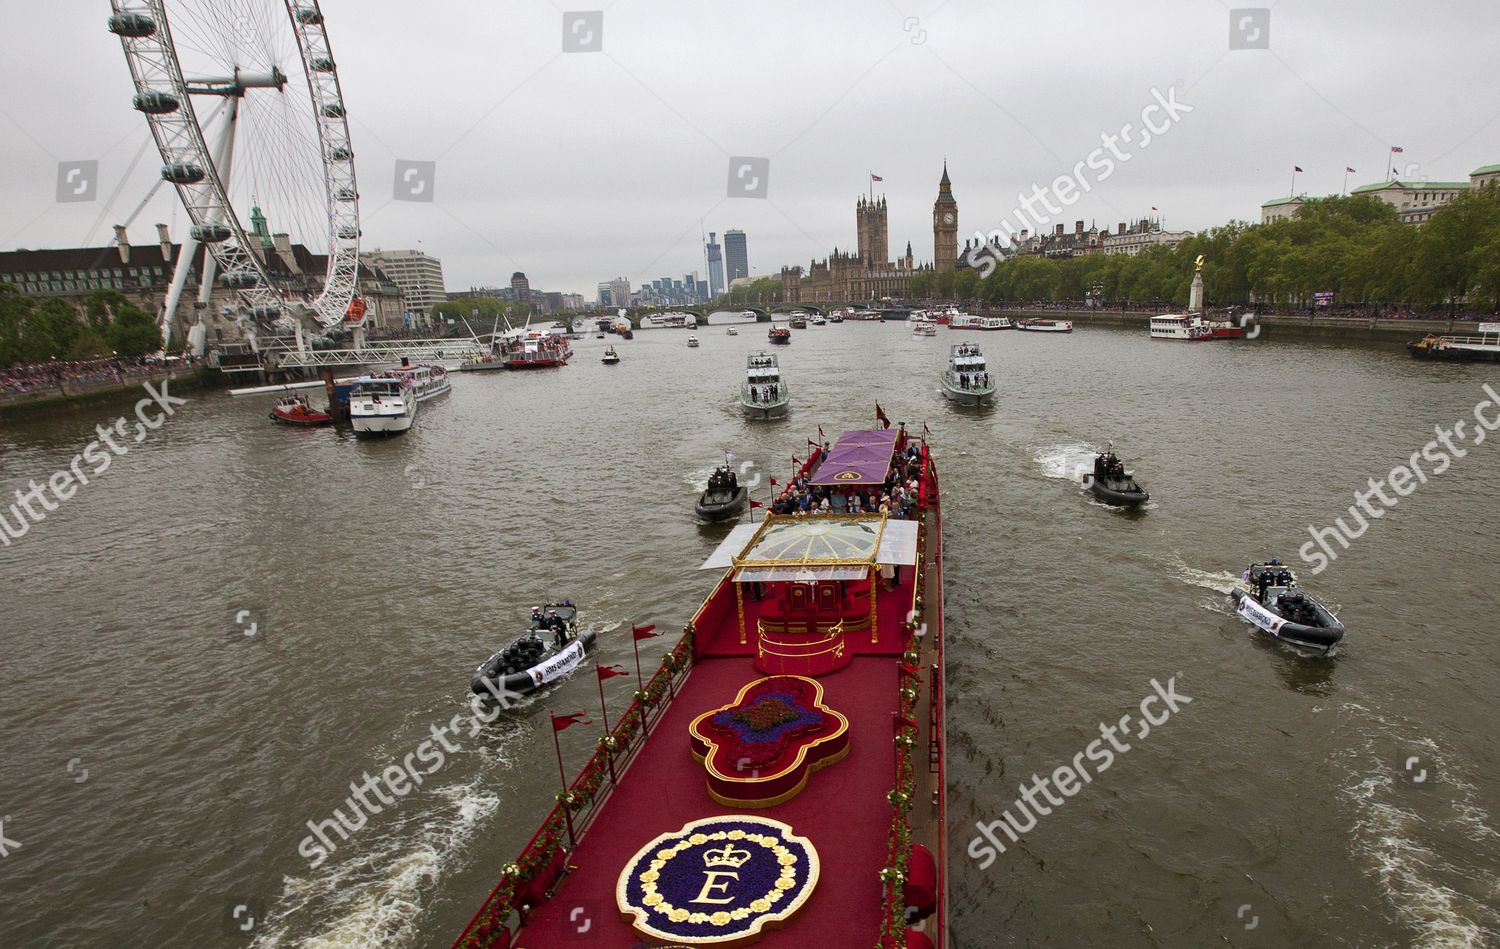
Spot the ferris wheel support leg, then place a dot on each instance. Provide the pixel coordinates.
(174, 290)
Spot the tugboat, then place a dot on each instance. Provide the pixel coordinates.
(724, 498)
(966, 380)
(610, 358)
(550, 650)
(1112, 484)
(1271, 601)
(798, 321)
(692, 342)
(765, 393)
(780, 335)
(784, 755)
(295, 411)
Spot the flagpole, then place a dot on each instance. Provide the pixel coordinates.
(639, 681)
(1346, 179)
(604, 709)
(1293, 192)
(567, 811)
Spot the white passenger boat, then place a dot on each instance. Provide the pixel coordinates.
(382, 405)
(967, 380)
(765, 393)
(1179, 326)
(1046, 326)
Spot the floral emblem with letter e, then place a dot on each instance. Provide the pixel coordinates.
(717, 881)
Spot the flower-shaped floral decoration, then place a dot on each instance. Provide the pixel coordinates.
(760, 749)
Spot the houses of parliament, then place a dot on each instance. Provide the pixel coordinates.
(869, 273)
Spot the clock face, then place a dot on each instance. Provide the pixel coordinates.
(948, 218)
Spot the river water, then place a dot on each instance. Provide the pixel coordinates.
(158, 766)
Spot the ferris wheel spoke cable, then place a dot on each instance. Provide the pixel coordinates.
(124, 180)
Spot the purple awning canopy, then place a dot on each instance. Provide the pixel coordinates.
(862, 457)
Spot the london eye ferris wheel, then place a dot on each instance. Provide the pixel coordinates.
(244, 104)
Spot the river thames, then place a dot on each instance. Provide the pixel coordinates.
(206, 645)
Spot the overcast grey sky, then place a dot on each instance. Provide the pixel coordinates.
(577, 167)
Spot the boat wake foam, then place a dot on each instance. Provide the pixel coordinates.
(374, 895)
(1069, 462)
(1421, 832)
(1220, 581)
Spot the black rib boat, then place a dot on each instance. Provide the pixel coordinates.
(1112, 484)
(551, 649)
(1275, 604)
(725, 497)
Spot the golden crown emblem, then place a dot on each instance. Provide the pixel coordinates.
(728, 857)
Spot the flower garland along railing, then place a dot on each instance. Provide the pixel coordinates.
(490, 925)
(898, 841)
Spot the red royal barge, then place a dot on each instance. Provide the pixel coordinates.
(780, 778)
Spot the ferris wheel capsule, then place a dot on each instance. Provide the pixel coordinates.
(266, 312)
(183, 173)
(210, 233)
(156, 103)
(132, 25)
(241, 279)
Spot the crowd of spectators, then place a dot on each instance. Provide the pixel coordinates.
(58, 374)
(897, 497)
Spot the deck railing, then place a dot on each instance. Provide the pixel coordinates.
(535, 874)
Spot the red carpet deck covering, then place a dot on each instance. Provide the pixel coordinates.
(667, 790)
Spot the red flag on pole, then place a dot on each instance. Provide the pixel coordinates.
(796, 460)
(609, 672)
(880, 416)
(559, 722)
(1348, 169)
(755, 503)
(812, 444)
(820, 432)
(925, 429)
(643, 632)
(773, 482)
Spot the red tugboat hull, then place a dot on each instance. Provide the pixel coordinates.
(306, 418)
(835, 836)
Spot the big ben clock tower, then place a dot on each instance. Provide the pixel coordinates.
(944, 226)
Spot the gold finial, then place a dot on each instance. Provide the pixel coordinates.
(1199, 262)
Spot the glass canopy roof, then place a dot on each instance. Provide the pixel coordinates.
(810, 541)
